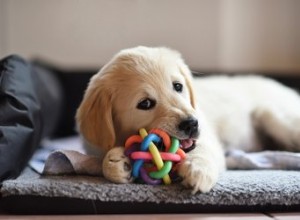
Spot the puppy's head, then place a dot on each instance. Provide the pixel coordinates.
(139, 88)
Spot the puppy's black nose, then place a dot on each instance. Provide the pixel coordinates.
(189, 126)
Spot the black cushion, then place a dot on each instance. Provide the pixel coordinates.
(30, 104)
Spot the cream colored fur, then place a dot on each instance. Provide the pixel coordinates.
(229, 111)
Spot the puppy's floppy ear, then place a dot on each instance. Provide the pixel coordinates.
(94, 115)
(185, 71)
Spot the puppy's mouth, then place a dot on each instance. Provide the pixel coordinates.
(187, 144)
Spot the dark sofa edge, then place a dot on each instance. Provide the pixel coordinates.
(32, 205)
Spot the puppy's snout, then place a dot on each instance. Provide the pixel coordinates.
(189, 126)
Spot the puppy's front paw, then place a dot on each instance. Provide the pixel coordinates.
(116, 166)
(199, 174)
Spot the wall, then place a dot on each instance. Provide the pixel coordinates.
(229, 35)
(261, 35)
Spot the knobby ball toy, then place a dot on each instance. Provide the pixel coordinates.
(154, 156)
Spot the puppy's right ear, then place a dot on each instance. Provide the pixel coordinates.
(94, 115)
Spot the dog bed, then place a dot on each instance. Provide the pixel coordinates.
(236, 191)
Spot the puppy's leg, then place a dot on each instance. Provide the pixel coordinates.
(280, 118)
(203, 165)
(280, 124)
(116, 166)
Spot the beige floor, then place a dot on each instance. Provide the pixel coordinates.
(256, 216)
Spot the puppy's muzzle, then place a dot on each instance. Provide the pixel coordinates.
(190, 127)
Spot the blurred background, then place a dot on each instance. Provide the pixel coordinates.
(213, 35)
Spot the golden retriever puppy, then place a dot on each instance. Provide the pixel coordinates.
(153, 88)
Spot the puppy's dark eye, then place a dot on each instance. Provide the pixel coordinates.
(177, 86)
(146, 104)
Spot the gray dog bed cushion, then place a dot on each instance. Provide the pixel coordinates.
(236, 190)
(256, 190)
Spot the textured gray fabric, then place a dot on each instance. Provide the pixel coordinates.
(261, 187)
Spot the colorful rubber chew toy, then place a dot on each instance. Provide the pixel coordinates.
(150, 163)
